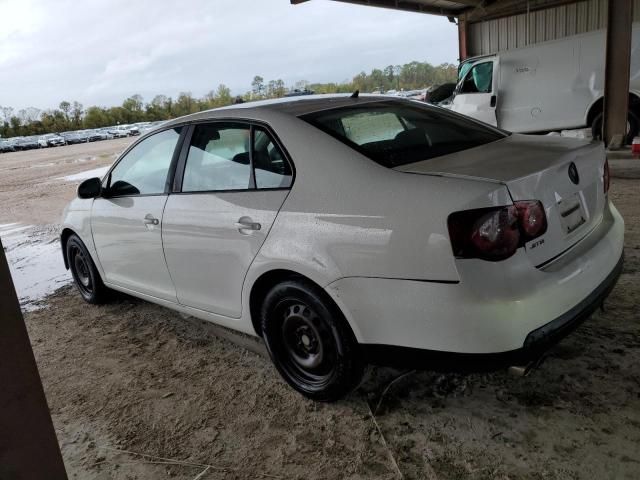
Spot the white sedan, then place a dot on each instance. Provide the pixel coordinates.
(346, 230)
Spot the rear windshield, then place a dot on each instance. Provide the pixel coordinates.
(394, 134)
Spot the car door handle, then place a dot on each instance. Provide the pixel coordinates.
(494, 100)
(150, 220)
(245, 223)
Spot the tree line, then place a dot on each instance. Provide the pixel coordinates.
(73, 115)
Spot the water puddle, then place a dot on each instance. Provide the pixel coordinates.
(35, 261)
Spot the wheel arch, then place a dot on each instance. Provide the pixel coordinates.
(268, 279)
(597, 107)
(261, 286)
(64, 238)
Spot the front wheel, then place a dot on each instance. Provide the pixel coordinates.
(310, 342)
(84, 272)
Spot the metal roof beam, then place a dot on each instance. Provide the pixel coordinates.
(405, 5)
(505, 8)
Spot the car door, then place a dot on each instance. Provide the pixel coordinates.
(232, 179)
(126, 220)
(476, 94)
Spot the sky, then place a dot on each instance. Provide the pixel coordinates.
(100, 52)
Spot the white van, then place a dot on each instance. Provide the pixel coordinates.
(553, 85)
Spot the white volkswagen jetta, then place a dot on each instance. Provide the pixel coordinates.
(349, 230)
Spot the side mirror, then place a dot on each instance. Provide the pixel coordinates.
(90, 188)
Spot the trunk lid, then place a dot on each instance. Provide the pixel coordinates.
(537, 168)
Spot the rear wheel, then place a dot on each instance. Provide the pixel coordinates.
(633, 127)
(310, 342)
(84, 272)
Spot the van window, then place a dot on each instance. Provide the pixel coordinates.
(464, 68)
(479, 79)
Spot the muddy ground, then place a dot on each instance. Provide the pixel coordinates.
(137, 391)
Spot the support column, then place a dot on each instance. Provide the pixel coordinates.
(616, 77)
(28, 445)
(463, 45)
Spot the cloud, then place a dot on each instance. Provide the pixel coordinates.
(99, 52)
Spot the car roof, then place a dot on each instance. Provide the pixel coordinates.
(296, 106)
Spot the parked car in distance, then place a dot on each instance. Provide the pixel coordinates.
(351, 230)
(105, 133)
(94, 135)
(74, 137)
(26, 143)
(118, 132)
(55, 140)
(6, 146)
(50, 140)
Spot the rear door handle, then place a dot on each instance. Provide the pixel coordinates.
(494, 100)
(245, 223)
(150, 220)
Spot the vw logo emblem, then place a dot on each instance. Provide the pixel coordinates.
(573, 173)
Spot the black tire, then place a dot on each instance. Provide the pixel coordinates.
(632, 122)
(310, 342)
(84, 272)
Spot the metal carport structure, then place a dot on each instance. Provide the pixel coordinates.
(479, 23)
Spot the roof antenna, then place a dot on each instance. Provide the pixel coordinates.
(355, 94)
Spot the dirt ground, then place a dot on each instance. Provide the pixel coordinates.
(29, 191)
(137, 391)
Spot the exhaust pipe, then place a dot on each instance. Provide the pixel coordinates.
(524, 370)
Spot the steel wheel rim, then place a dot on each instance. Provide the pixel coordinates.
(308, 347)
(81, 270)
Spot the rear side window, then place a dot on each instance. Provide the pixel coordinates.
(271, 168)
(398, 133)
(218, 158)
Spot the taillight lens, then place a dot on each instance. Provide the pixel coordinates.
(606, 178)
(496, 233)
(532, 218)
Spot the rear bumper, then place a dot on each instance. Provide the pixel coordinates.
(536, 342)
(505, 309)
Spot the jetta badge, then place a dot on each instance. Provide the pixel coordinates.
(573, 173)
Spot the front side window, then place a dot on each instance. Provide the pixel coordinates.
(394, 133)
(478, 79)
(218, 158)
(144, 169)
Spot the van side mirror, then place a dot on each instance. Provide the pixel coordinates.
(90, 188)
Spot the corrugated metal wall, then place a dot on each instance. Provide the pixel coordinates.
(540, 25)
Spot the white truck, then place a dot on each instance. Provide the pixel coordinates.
(553, 85)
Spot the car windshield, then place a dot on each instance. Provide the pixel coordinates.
(394, 133)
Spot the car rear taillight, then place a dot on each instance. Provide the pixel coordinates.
(606, 178)
(532, 219)
(495, 234)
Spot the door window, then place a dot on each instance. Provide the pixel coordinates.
(479, 79)
(218, 158)
(272, 170)
(144, 169)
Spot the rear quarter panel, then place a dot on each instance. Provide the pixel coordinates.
(347, 216)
